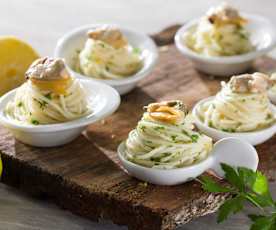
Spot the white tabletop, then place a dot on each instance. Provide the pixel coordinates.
(41, 23)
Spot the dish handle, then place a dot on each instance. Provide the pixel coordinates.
(234, 152)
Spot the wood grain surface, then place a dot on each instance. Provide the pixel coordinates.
(85, 176)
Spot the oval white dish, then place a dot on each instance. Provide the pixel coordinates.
(263, 35)
(231, 151)
(254, 137)
(71, 42)
(104, 100)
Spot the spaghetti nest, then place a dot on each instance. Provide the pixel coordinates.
(221, 32)
(31, 105)
(237, 112)
(161, 144)
(101, 60)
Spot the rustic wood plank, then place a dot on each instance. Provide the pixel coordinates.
(22, 212)
(85, 176)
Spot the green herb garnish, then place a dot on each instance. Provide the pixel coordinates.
(269, 116)
(244, 185)
(158, 128)
(185, 132)
(48, 95)
(194, 137)
(174, 137)
(42, 104)
(136, 50)
(143, 128)
(20, 104)
(229, 130)
(210, 124)
(35, 122)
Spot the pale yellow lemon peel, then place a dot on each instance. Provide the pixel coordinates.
(15, 58)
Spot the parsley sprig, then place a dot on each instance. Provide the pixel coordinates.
(244, 185)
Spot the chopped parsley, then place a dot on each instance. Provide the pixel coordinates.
(174, 137)
(143, 128)
(20, 104)
(136, 50)
(185, 132)
(269, 116)
(42, 104)
(243, 35)
(194, 138)
(210, 124)
(35, 122)
(158, 128)
(48, 95)
(229, 130)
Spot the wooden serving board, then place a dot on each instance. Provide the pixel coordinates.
(85, 176)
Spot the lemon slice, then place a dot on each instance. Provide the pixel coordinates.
(1, 166)
(15, 58)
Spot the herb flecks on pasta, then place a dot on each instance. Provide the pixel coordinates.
(50, 95)
(165, 138)
(221, 32)
(108, 55)
(242, 105)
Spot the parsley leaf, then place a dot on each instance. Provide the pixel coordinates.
(211, 186)
(233, 205)
(232, 176)
(245, 185)
(264, 223)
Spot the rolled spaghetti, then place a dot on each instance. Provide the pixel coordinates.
(242, 105)
(49, 95)
(107, 55)
(221, 32)
(165, 138)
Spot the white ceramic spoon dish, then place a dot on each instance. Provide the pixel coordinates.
(232, 151)
(103, 99)
(74, 41)
(254, 137)
(263, 36)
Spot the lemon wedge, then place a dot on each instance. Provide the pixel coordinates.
(1, 166)
(15, 58)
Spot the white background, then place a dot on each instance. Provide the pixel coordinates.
(42, 22)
